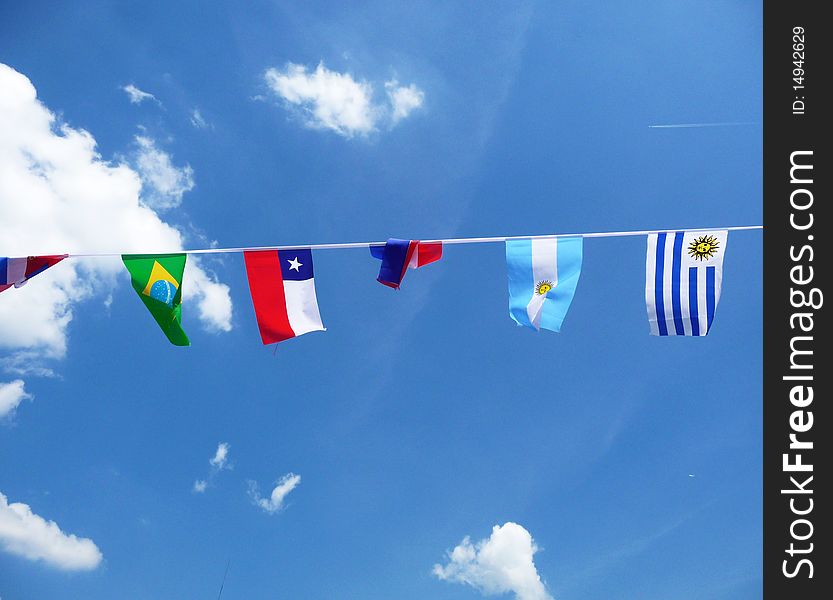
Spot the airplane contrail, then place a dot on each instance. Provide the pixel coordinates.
(222, 585)
(687, 125)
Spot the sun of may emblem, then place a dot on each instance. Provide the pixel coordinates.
(543, 287)
(703, 248)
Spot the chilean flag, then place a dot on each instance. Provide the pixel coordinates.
(17, 271)
(398, 255)
(283, 293)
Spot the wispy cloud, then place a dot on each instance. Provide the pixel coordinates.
(198, 120)
(603, 559)
(403, 100)
(26, 362)
(26, 534)
(338, 102)
(274, 502)
(163, 183)
(137, 96)
(690, 125)
(499, 564)
(219, 462)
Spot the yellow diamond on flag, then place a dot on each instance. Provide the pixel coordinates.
(161, 285)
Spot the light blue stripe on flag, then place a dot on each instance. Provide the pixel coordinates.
(521, 282)
(543, 275)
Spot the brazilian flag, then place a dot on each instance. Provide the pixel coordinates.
(157, 278)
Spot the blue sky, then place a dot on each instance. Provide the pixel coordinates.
(421, 416)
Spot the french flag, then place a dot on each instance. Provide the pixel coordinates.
(283, 293)
(399, 255)
(17, 271)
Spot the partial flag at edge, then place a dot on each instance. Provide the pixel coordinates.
(17, 271)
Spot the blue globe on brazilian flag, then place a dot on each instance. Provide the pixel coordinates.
(157, 280)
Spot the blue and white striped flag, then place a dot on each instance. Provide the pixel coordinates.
(543, 274)
(683, 273)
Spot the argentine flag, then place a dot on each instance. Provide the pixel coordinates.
(683, 275)
(543, 274)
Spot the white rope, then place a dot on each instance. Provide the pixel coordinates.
(472, 240)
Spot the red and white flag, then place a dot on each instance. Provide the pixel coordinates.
(283, 293)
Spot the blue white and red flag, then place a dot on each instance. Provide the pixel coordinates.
(17, 271)
(399, 255)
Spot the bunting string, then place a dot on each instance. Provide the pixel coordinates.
(447, 241)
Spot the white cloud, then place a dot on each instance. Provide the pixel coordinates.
(499, 564)
(403, 100)
(164, 184)
(219, 462)
(331, 100)
(136, 95)
(220, 456)
(26, 534)
(336, 101)
(213, 299)
(57, 194)
(274, 503)
(12, 394)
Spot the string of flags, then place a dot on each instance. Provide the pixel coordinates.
(683, 279)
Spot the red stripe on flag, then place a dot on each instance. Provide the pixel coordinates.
(429, 252)
(38, 264)
(409, 256)
(263, 269)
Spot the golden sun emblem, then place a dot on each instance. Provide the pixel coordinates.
(543, 287)
(703, 248)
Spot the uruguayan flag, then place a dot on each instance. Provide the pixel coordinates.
(543, 274)
(683, 273)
